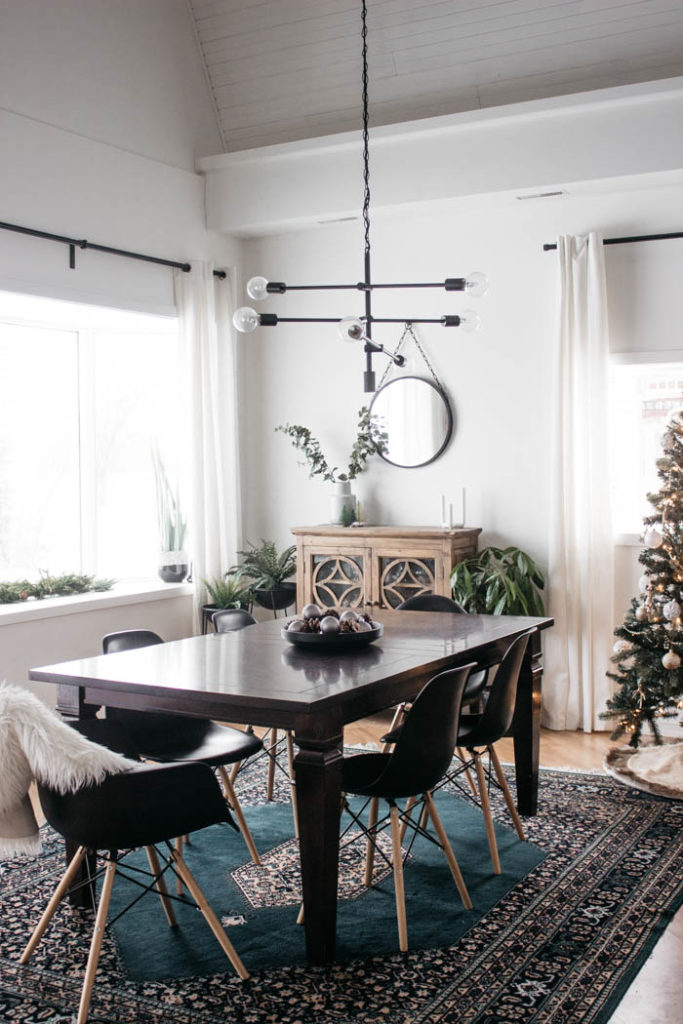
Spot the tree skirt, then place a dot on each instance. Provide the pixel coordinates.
(654, 768)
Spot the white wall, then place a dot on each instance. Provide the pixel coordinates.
(499, 380)
(104, 109)
(30, 643)
(123, 72)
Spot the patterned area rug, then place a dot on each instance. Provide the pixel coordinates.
(561, 945)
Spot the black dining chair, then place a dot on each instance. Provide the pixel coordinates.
(418, 761)
(478, 733)
(140, 808)
(167, 738)
(427, 602)
(227, 620)
(477, 682)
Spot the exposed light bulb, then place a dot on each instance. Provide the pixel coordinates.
(245, 319)
(350, 329)
(257, 288)
(476, 284)
(469, 320)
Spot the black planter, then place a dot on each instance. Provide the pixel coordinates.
(173, 573)
(278, 598)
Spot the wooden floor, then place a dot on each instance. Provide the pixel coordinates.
(658, 988)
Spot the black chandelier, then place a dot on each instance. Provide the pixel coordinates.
(353, 328)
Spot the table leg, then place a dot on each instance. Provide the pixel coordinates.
(318, 774)
(526, 727)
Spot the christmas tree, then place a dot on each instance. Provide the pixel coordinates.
(649, 648)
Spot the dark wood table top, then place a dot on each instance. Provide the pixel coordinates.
(254, 675)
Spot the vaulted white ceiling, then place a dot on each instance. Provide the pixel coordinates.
(281, 70)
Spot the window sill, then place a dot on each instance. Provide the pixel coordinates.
(628, 540)
(126, 592)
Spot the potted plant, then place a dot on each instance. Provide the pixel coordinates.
(499, 581)
(371, 439)
(230, 590)
(269, 571)
(174, 564)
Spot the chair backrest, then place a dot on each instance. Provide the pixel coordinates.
(139, 723)
(147, 805)
(226, 620)
(500, 706)
(430, 603)
(129, 640)
(427, 740)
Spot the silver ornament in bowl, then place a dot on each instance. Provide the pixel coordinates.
(311, 611)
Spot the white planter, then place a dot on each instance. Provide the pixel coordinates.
(342, 504)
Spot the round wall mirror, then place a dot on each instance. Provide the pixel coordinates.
(417, 418)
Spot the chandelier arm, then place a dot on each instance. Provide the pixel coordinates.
(451, 284)
(272, 320)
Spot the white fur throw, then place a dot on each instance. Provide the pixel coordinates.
(36, 744)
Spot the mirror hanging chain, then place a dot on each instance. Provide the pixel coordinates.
(409, 330)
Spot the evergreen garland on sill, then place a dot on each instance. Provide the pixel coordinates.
(51, 586)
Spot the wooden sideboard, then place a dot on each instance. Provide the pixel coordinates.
(349, 567)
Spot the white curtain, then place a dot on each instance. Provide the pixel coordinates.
(578, 647)
(212, 452)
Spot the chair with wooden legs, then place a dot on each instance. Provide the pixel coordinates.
(139, 808)
(478, 733)
(227, 620)
(168, 738)
(421, 755)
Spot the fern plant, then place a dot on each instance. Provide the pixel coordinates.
(265, 566)
(499, 581)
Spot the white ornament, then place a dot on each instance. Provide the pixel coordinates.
(621, 647)
(653, 538)
(641, 613)
(671, 660)
(672, 610)
(643, 583)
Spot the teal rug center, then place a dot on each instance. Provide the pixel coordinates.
(259, 905)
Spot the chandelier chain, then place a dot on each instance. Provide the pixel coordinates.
(366, 136)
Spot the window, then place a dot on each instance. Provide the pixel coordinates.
(85, 393)
(643, 396)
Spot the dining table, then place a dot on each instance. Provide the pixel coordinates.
(256, 676)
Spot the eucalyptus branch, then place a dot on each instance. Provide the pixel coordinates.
(371, 439)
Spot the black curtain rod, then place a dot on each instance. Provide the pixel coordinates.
(629, 238)
(82, 243)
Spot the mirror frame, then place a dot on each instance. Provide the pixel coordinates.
(449, 412)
